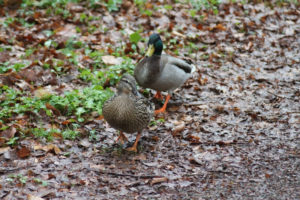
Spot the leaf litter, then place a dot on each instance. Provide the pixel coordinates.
(231, 132)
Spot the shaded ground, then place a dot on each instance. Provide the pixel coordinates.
(231, 132)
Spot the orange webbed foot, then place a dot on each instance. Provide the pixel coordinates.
(134, 147)
(163, 109)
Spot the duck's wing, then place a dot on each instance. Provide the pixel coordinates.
(177, 62)
(143, 102)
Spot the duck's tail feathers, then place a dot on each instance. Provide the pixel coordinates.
(193, 68)
(191, 63)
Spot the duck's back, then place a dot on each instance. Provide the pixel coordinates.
(127, 114)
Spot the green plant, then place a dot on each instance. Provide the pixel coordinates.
(111, 73)
(156, 122)
(113, 5)
(40, 181)
(198, 5)
(135, 37)
(92, 135)
(51, 43)
(141, 5)
(12, 141)
(8, 21)
(4, 67)
(21, 178)
(43, 133)
(70, 134)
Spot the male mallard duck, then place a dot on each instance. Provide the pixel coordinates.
(127, 111)
(161, 72)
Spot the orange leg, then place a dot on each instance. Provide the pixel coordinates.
(122, 138)
(158, 95)
(100, 117)
(163, 109)
(134, 147)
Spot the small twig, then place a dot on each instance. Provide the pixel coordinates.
(219, 171)
(295, 112)
(195, 103)
(8, 170)
(293, 156)
(276, 95)
(223, 143)
(281, 97)
(128, 175)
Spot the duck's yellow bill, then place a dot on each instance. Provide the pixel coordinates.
(150, 50)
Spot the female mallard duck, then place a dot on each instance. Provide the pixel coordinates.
(161, 72)
(127, 111)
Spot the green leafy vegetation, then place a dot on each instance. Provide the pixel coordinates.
(24, 179)
(17, 177)
(77, 105)
(40, 181)
(198, 5)
(135, 37)
(4, 67)
(72, 103)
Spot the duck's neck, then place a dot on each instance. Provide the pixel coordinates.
(158, 48)
(157, 53)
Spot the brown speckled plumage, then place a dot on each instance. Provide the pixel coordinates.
(127, 110)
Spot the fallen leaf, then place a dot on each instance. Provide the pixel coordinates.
(29, 75)
(99, 167)
(2, 141)
(203, 157)
(111, 60)
(158, 180)
(220, 27)
(57, 135)
(56, 150)
(140, 157)
(31, 197)
(267, 175)
(48, 148)
(41, 93)
(23, 152)
(194, 139)
(66, 122)
(4, 149)
(202, 81)
(50, 107)
(178, 34)
(68, 30)
(8, 133)
(155, 138)
(23, 85)
(12, 4)
(85, 143)
(178, 128)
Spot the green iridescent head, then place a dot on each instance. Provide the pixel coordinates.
(155, 45)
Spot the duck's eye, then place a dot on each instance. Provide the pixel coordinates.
(129, 85)
(125, 81)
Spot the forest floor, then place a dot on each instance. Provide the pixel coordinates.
(231, 132)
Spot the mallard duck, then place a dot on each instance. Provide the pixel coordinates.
(127, 111)
(161, 72)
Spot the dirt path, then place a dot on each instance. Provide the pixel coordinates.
(231, 132)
